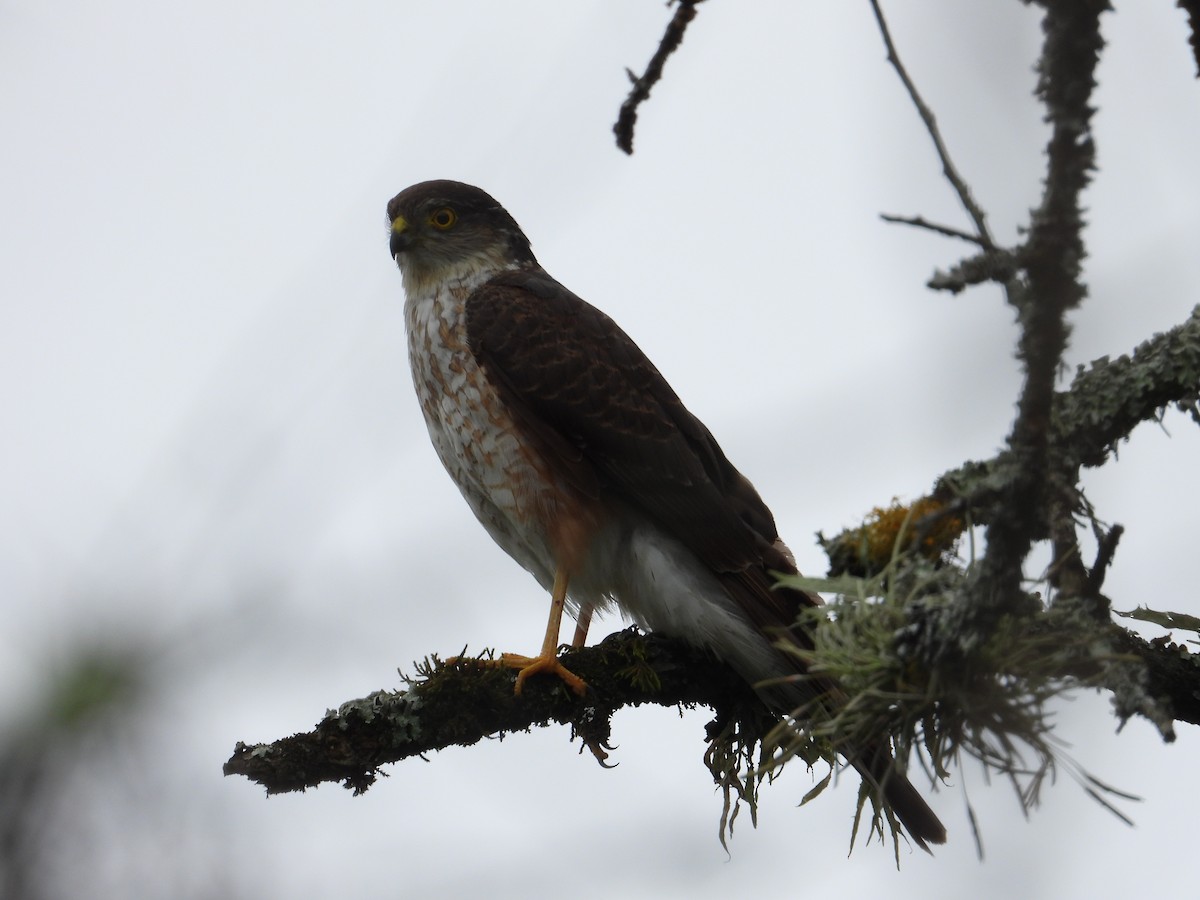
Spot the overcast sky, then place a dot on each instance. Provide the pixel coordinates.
(210, 434)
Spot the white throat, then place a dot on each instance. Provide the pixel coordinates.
(462, 275)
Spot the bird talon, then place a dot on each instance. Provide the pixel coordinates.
(538, 665)
(599, 749)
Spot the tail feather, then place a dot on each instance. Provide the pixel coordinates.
(774, 611)
(921, 823)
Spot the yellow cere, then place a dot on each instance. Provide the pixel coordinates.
(399, 224)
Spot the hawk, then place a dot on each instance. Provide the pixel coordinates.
(585, 466)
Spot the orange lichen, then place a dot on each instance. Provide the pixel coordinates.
(925, 525)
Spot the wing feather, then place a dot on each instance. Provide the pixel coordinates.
(588, 392)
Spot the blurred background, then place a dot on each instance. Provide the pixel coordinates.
(220, 513)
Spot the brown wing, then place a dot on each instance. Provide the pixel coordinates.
(579, 382)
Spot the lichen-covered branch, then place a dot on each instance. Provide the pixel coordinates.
(1106, 401)
(463, 702)
(1172, 672)
(1109, 398)
(1104, 404)
(1051, 260)
(460, 704)
(1030, 492)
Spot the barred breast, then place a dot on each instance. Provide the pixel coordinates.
(474, 434)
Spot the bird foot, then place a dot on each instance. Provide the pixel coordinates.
(599, 750)
(538, 665)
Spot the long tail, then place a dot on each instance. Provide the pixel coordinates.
(776, 610)
(922, 825)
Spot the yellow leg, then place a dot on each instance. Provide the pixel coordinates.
(547, 660)
(581, 626)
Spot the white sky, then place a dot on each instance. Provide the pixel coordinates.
(208, 417)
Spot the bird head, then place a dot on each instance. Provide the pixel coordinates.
(447, 231)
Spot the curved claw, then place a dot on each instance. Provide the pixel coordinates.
(599, 750)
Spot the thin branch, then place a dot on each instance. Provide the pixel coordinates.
(978, 217)
(1192, 8)
(1104, 557)
(671, 39)
(990, 265)
(922, 222)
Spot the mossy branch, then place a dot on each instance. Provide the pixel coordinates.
(1106, 401)
(463, 702)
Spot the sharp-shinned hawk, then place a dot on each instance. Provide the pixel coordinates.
(584, 465)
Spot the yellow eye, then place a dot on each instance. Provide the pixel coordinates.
(443, 219)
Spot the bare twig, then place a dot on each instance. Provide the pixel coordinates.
(671, 39)
(1192, 8)
(978, 217)
(922, 222)
(1104, 557)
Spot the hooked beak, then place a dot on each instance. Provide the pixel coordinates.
(401, 236)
